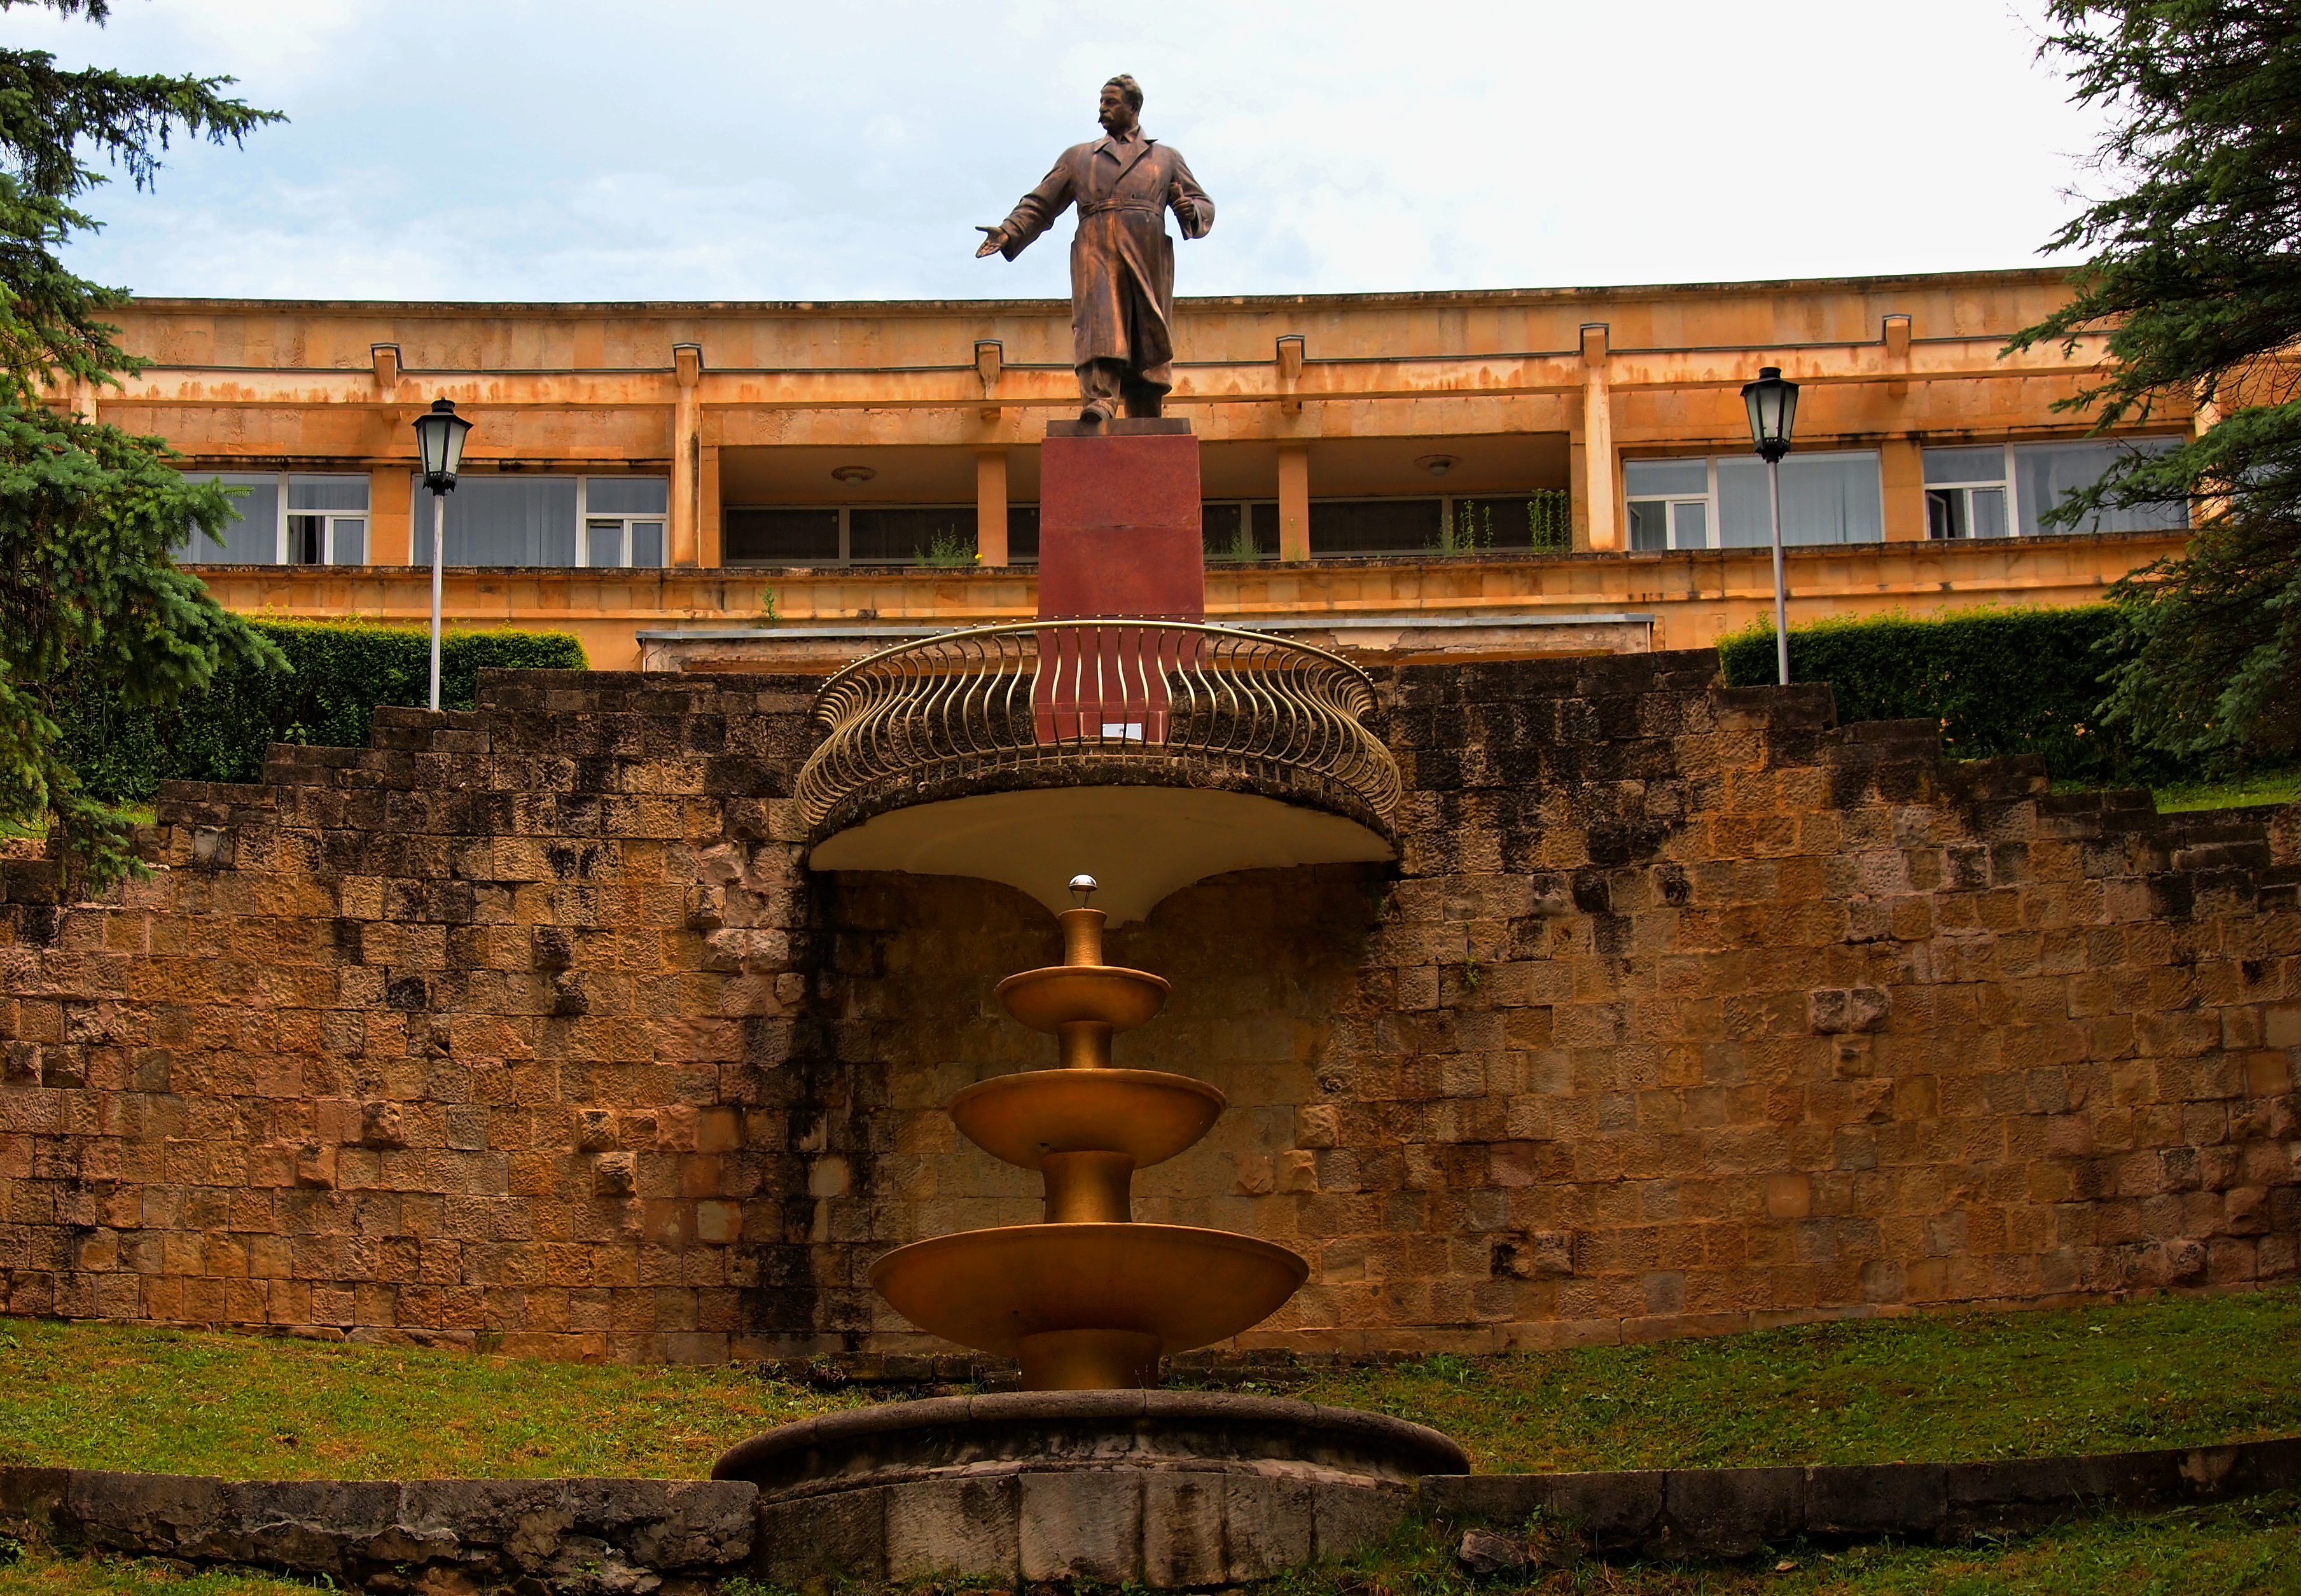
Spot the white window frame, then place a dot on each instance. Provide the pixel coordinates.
(331, 520)
(2006, 482)
(1707, 498)
(627, 522)
(584, 517)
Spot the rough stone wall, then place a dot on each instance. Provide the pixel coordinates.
(497, 1028)
(1682, 1011)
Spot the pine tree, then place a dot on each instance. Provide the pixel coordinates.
(92, 607)
(2194, 275)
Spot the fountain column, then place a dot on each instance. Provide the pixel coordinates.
(1087, 1300)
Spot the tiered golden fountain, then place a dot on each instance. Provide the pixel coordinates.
(1088, 1300)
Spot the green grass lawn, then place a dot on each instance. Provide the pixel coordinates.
(2282, 788)
(2169, 1371)
(1937, 1388)
(163, 1401)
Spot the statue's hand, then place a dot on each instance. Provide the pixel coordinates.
(1185, 211)
(994, 240)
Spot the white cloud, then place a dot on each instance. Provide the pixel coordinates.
(587, 149)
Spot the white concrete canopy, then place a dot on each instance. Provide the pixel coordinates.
(1141, 843)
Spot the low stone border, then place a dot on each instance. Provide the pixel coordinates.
(1733, 1512)
(595, 1537)
(586, 1537)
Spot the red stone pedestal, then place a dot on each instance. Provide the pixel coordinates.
(1119, 526)
(1118, 537)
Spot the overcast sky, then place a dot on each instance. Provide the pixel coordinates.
(710, 149)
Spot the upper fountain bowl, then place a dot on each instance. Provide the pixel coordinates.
(1049, 998)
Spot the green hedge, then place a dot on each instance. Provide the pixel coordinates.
(342, 672)
(2000, 681)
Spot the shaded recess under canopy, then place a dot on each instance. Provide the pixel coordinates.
(1148, 840)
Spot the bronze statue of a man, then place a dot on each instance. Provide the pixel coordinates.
(1122, 260)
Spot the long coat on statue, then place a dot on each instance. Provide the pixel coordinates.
(1122, 262)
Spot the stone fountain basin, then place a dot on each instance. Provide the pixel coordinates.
(1148, 1114)
(989, 1288)
(1175, 1490)
(1119, 997)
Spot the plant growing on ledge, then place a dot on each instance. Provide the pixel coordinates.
(948, 547)
(1241, 550)
(1550, 521)
(89, 596)
(1471, 528)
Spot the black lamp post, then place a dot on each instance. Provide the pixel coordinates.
(1773, 413)
(440, 444)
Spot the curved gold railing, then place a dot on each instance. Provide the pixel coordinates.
(999, 696)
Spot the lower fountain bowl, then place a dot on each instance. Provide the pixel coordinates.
(1032, 1288)
(1166, 1489)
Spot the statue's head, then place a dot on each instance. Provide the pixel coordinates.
(1122, 103)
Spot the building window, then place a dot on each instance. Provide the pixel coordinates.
(1993, 491)
(1346, 528)
(1239, 530)
(286, 519)
(524, 520)
(1723, 502)
(623, 520)
(1669, 502)
(868, 535)
(1965, 493)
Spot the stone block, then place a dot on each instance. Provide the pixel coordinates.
(839, 1535)
(1183, 1528)
(1082, 1524)
(1900, 1499)
(968, 1527)
(1732, 1512)
(1267, 1526)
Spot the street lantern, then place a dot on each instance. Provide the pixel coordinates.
(439, 443)
(1773, 412)
(1772, 403)
(439, 447)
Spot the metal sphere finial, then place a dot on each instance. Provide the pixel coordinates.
(1083, 887)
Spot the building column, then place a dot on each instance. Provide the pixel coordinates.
(1293, 501)
(1902, 476)
(686, 458)
(713, 543)
(1595, 481)
(390, 514)
(991, 507)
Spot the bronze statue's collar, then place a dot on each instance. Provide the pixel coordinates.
(1140, 148)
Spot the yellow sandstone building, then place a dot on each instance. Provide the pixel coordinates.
(1500, 474)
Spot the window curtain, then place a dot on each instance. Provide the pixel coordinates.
(2047, 474)
(254, 538)
(627, 496)
(502, 520)
(327, 493)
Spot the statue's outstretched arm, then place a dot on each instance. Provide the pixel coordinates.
(1033, 213)
(1194, 213)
